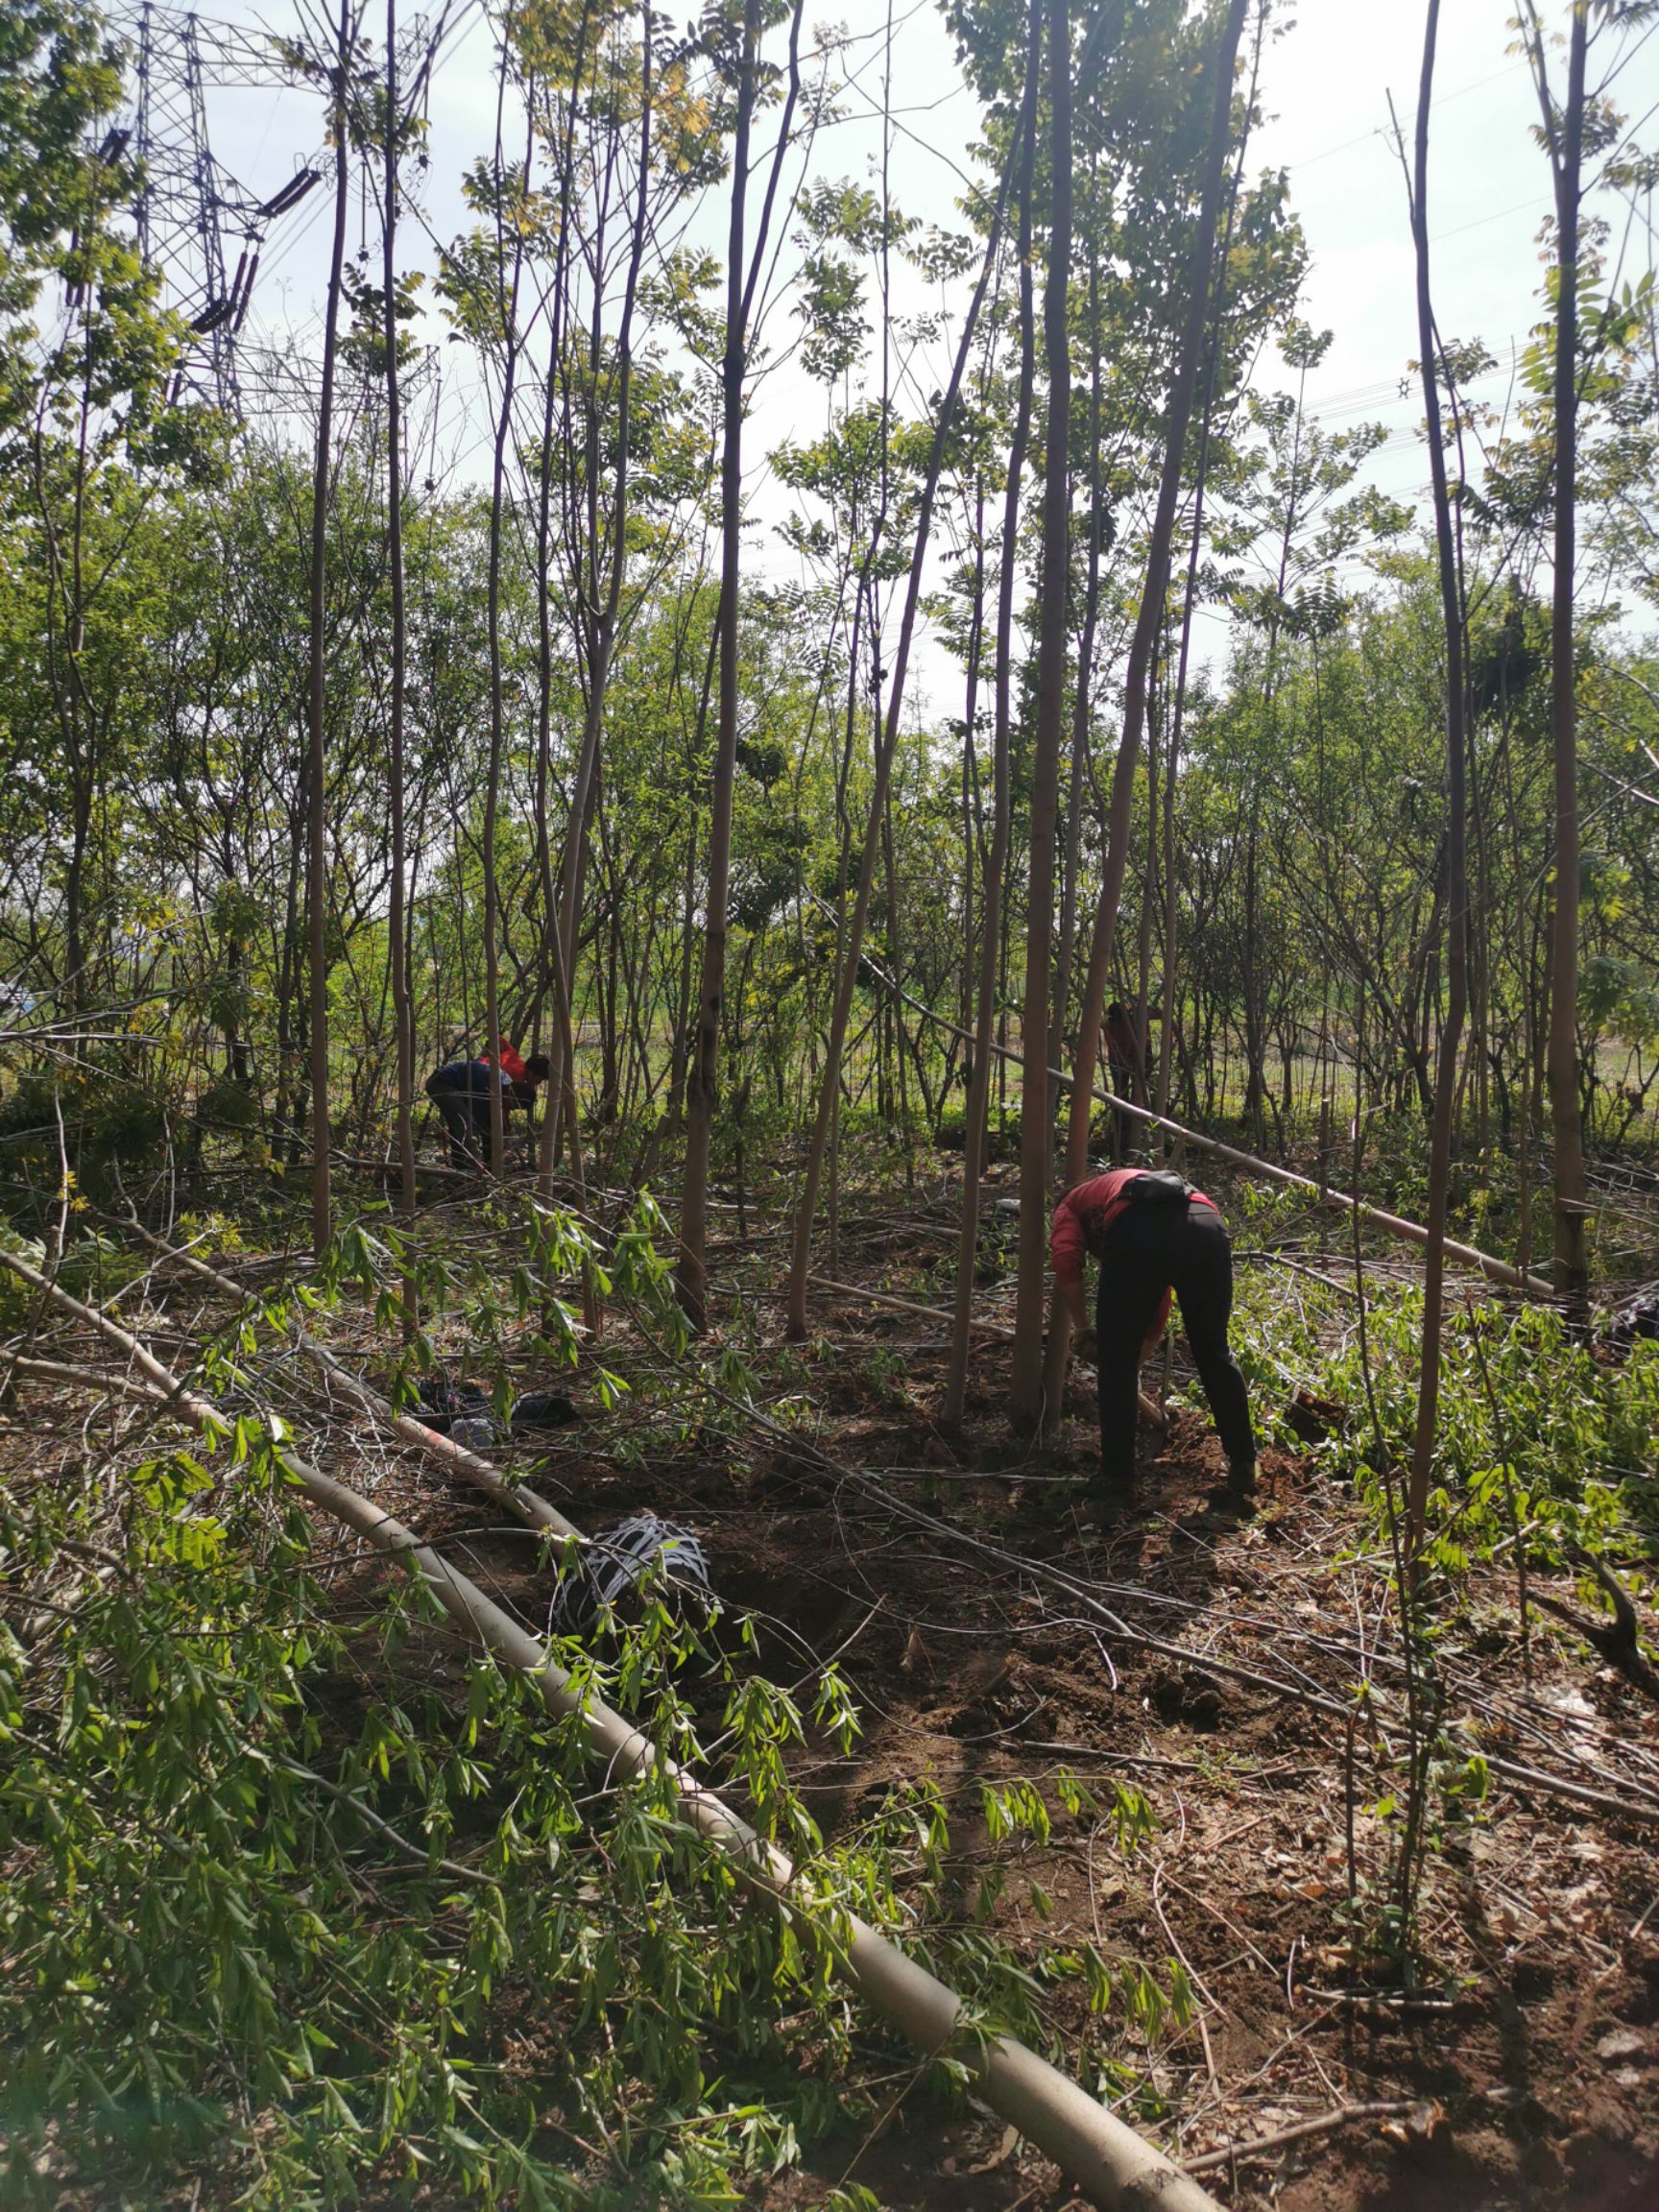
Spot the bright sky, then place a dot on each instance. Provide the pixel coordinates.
(1325, 80)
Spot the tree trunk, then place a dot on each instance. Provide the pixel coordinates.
(887, 739)
(397, 923)
(1458, 889)
(508, 304)
(1081, 701)
(1036, 1117)
(316, 815)
(1148, 627)
(1566, 145)
(1149, 621)
(703, 1068)
(992, 937)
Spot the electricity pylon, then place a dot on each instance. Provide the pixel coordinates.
(189, 204)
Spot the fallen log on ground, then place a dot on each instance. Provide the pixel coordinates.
(1112, 2166)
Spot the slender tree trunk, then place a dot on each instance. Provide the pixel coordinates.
(704, 1063)
(1150, 619)
(1566, 137)
(508, 305)
(1188, 600)
(606, 611)
(396, 924)
(1172, 768)
(1149, 890)
(1147, 628)
(561, 1081)
(973, 804)
(1457, 888)
(1082, 700)
(703, 1071)
(317, 818)
(992, 946)
(1036, 1117)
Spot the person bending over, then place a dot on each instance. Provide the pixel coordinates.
(1152, 1234)
(460, 1093)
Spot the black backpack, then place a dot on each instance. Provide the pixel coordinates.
(1161, 1189)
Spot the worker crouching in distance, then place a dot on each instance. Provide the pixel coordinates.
(1153, 1235)
(461, 1089)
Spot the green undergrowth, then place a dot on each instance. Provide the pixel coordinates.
(1546, 1462)
(1523, 1405)
(1542, 1440)
(304, 1901)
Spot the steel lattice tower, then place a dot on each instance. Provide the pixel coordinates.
(189, 200)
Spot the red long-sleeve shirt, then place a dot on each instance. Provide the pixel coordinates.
(507, 1059)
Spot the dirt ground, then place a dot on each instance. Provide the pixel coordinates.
(1523, 2069)
(959, 1578)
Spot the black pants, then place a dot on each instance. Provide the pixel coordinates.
(466, 1113)
(1149, 1249)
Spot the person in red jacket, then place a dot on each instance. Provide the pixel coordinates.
(1153, 1235)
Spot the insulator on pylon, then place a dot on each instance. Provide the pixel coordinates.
(290, 196)
(247, 292)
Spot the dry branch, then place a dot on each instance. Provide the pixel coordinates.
(86, 1379)
(1344, 2116)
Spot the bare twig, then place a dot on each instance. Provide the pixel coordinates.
(1345, 2115)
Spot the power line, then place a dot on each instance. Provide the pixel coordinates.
(1380, 129)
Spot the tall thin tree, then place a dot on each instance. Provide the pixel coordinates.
(1036, 1120)
(1022, 157)
(316, 760)
(887, 739)
(701, 1077)
(508, 282)
(1564, 138)
(1457, 759)
(396, 921)
(1148, 625)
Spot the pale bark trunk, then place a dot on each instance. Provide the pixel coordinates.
(507, 302)
(828, 1112)
(1571, 1262)
(397, 927)
(1147, 626)
(1151, 614)
(1081, 702)
(703, 1071)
